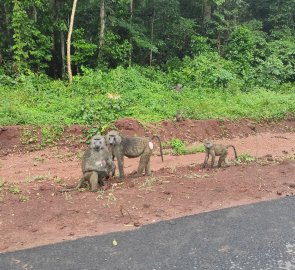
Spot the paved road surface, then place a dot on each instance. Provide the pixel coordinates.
(258, 236)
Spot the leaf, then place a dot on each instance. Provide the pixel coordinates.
(115, 242)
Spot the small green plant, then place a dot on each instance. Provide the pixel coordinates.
(14, 189)
(245, 158)
(200, 148)
(39, 158)
(178, 146)
(149, 183)
(28, 135)
(23, 198)
(51, 134)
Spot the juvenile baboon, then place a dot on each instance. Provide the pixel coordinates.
(178, 87)
(216, 150)
(179, 117)
(97, 164)
(132, 147)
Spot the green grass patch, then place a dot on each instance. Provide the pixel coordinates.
(99, 98)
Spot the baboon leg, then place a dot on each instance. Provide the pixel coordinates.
(93, 180)
(120, 160)
(148, 167)
(143, 162)
(222, 158)
(220, 161)
(213, 160)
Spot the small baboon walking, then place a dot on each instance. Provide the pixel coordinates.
(132, 147)
(216, 150)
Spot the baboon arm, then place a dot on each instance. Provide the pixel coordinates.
(111, 164)
(206, 160)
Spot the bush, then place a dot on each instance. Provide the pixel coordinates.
(98, 98)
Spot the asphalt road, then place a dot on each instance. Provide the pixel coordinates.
(257, 236)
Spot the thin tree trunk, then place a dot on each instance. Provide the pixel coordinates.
(130, 39)
(34, 13)
(62, 53)
(69, 41)
(102, 16)
(6, 12)
(152, 36)
(207, 12)
(57, 3)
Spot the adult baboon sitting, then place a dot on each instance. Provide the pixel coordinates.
(97, 164)
(132, 147)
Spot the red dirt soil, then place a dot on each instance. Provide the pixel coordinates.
(33, 212)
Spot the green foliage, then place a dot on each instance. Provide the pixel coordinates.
(14, 189)
(245, 158)
(31, 47)
(83, 49)
(246, 47)
(178, 145)
(51, 133)
(200, 148)
(115, 50)
(180, 148)
(97, 98)
(206, 70)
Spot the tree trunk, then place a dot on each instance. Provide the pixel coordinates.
(34, 13)
(152, 36)
(69, 41)
(6, 19)
(62, 53)
(130, 39)
(102, 16)
(207, 12)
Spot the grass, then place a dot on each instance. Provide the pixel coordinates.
(99, 98)
(181, 148)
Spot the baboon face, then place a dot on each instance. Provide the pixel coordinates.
(97, 142)
(208, 144)
(114, 138)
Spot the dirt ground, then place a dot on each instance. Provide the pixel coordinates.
(33, 212)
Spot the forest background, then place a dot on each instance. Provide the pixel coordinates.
(233, 58)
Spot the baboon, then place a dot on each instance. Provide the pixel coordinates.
(132, 147)
(216, 150)
(97, 164)
(179, 117)
(178, 87)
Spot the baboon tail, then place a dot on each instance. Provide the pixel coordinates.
(161, 150)
(230, 145)
(75, 188)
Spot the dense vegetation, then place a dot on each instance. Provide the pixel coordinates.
(234, 58)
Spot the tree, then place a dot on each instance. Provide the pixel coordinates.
(69, 41)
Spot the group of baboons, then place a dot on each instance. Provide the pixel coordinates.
(98, 159)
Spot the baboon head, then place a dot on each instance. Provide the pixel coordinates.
(113, 138)
(97, 142)
(208, 144)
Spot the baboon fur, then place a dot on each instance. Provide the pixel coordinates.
(97, 165)
(131, 147)
(216, 150)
